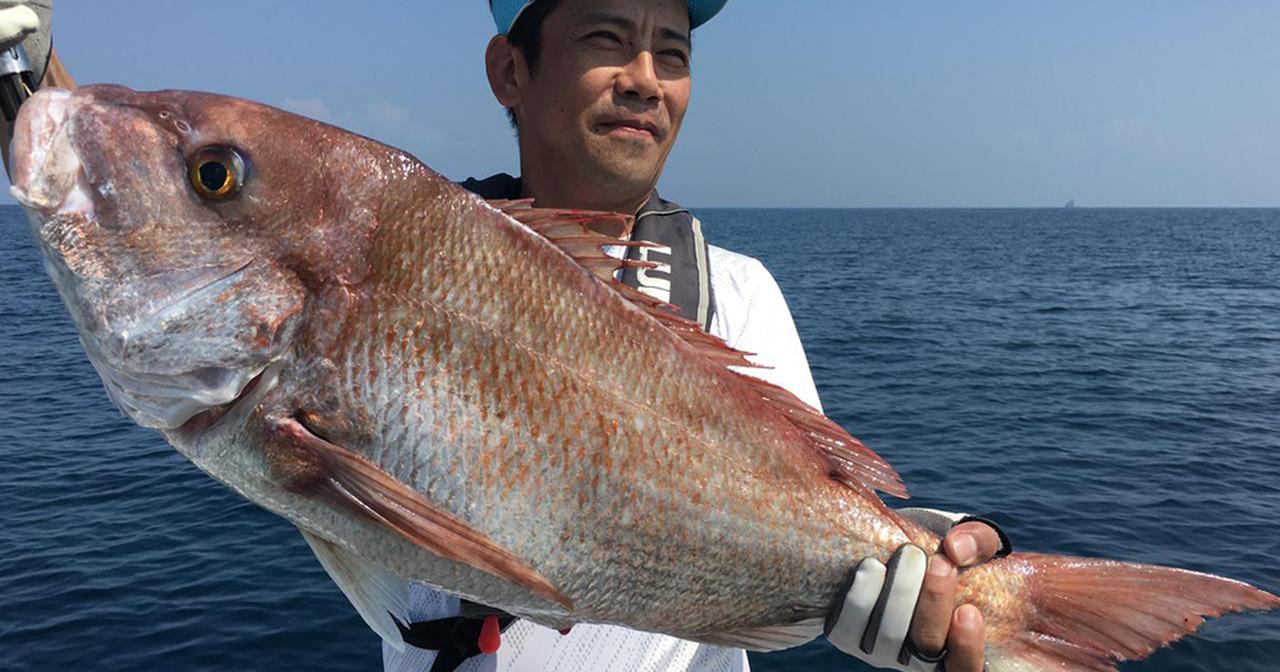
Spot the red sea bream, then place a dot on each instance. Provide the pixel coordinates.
(434, 388)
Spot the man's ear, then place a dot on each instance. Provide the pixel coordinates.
(507, 71)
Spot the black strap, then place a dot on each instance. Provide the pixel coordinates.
(17, 82)
(683, 277)
(454, 639)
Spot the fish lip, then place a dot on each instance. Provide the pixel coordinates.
(26, 200)
(40, 139)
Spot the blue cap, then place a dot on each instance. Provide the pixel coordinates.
(505, 12)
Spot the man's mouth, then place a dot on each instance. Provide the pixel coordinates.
(630, 127)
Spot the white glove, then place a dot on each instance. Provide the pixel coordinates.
(873, 621)
(16, 22)
(28, 22)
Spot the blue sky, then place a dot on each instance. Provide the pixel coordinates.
(823, 103)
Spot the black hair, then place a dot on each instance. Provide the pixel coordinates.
(526, 35)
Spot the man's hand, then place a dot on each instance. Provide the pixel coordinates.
(939, 625)
(902, 615)
(29, 23)
(17, 21)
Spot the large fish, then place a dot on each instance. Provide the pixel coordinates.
(436, 389)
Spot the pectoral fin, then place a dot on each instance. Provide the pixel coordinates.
(382, 598)
(330, 472)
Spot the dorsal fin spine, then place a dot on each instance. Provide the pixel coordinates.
(850, 462)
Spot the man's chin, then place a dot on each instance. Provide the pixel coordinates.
(629, 164)
(627, 177)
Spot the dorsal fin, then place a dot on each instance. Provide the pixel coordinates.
(612, 224)
(583, 235)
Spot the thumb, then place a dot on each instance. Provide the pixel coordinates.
(15, 23)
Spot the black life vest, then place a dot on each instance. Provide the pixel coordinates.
(683, 277)
(454, 639)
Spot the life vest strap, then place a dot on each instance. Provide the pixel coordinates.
(457, 638)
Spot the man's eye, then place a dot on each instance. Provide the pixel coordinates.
(675, 57)
(604, 38)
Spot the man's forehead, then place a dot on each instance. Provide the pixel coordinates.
(667, 16)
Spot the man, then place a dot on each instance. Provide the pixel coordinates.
(598, 90)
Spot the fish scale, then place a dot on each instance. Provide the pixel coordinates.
(602, 485)
(434, 388)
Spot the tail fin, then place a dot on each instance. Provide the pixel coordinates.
(1088, 614)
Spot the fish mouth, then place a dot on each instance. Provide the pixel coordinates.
(235, 409)
(169, 400)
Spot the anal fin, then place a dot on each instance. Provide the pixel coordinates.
(382, 598)
(331, 473)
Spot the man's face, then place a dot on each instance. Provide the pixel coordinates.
(605, 101)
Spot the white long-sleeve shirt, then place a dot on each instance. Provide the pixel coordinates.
(751, 315)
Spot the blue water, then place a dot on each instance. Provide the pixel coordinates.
(1102, 382)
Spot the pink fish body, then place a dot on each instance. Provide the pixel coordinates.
(435, 389)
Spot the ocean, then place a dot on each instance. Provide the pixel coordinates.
(1101, 382)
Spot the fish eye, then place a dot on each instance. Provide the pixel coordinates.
(216, 172)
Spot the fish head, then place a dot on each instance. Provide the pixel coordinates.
(184, 232)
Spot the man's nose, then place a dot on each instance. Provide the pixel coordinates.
(639, 79)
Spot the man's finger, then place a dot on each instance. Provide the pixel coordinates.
(971, 543)
(965, 641)
(934, 608)
(16, 21)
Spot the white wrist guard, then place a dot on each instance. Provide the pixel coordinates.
(872, 622)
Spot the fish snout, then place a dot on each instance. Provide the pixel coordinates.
(46, 168)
